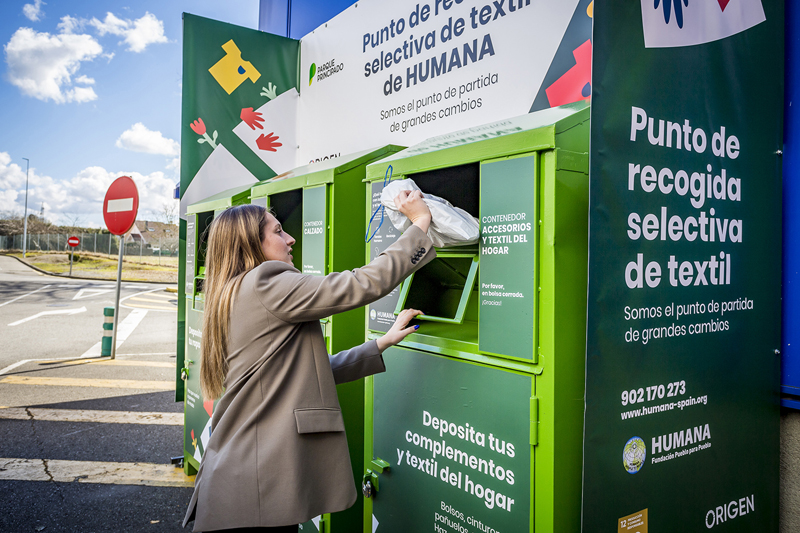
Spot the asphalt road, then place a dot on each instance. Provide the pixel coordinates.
(85, 443)
(70, 313)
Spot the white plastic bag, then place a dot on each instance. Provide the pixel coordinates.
(450, 225)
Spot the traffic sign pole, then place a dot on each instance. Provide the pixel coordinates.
(71, 253)
(116, 300)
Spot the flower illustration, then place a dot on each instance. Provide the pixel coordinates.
(199, 127)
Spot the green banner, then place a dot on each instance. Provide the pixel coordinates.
(226, 71)
(235, 85)
(682, 379)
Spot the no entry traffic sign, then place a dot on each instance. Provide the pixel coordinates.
(121, 205)
(73, 241)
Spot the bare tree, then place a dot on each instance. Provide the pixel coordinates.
(12, 223)
(168, 212)
(71, 221)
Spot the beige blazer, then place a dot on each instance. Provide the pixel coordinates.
(278, 453)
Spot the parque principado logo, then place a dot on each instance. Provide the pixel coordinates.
(325, 71)
(674, 23)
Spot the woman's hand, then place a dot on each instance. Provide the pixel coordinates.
(411, 204)
(399, 329)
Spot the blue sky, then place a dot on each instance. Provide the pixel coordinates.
(91, 90)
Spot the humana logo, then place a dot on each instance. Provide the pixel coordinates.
(673, 23)
(680, 439)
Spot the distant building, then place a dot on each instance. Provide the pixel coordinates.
(152, 234)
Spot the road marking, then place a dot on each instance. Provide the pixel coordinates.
(127, 326)
(104, 417)
(24, 295)
(160, 296)
(149, 474)
(85, 382)
(88, 293)
(153, 308)
(149, 293)
(11, 367)
(83, 286)
(146, 353)
(44, 313)
(124, 329)
(150, 300)
(112, 362)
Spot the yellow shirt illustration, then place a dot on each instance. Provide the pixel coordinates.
(231, 71)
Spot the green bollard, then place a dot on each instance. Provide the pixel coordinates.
(108, 331)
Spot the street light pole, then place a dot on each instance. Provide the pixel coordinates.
(25, 230)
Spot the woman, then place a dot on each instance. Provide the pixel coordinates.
(278, 454)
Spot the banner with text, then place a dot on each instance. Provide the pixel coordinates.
(682, 415)
(400, 72)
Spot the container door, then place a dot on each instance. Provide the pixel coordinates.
(451, 447)
(509, 215)
(315, 230)
(197, 413)
(191, 243)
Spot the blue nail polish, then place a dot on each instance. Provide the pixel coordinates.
(416, 327)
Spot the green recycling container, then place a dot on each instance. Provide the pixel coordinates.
(320, 206)
(197, 412)
(477, 424)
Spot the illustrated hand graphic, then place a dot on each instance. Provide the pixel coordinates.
(267, 142)
(251, 118)
(668, 5)
(270, 92)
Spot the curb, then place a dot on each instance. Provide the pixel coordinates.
(65, 276)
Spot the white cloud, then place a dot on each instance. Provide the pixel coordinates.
(79, 196)
(175, 165)
(140, 139)
(84, 80)
(112, 25)
(33, 11)
(70, 24)
(42, 65)
(138, 34)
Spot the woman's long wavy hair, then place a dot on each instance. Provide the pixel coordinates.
(234, 249)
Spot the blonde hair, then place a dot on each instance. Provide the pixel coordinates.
(234, 249)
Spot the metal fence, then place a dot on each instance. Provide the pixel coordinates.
(91, 242)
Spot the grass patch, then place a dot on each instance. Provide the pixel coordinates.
(90, 265)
